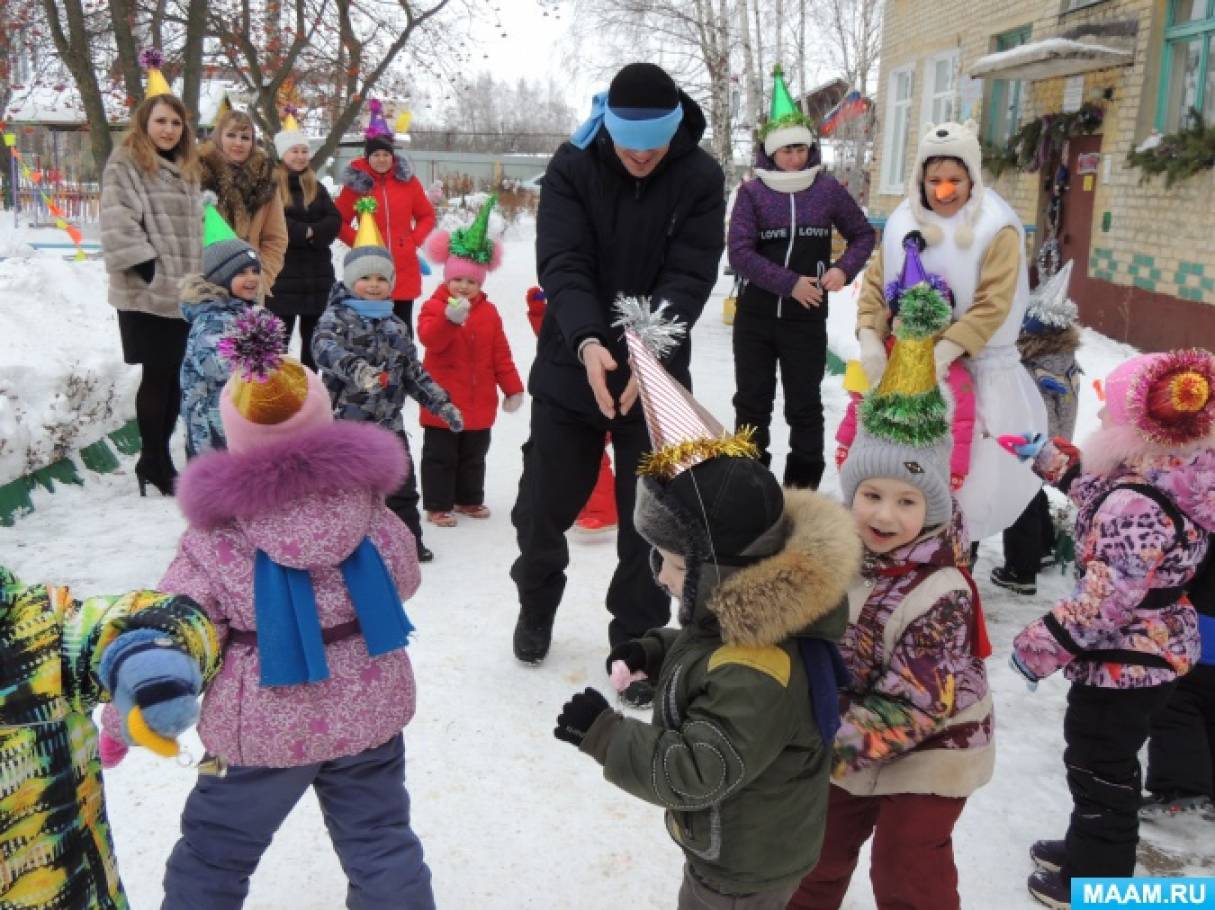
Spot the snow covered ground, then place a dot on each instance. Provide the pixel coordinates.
(510, 817)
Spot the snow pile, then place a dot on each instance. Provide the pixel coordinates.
(63, 383)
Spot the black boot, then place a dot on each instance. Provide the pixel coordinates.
(533, 635)
(803, 473)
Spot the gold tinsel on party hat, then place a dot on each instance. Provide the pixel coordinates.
(266, 387)
(369, 232)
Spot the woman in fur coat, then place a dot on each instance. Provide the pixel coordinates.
(242, 178)
(151, 237)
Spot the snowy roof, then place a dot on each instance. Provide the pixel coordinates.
(1049, 58)
(58, 104)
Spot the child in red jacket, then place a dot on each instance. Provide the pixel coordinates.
(468, 355)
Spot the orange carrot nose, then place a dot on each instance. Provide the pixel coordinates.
(945, 189)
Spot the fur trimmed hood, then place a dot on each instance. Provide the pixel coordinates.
(764, 603)
(343, 457)
(197, 289)
(360, 178)
(1036, 345)
(240, 191)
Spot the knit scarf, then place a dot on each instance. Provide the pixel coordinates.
(788, 181)
(290, 646)
(826, 674)
(370, 309)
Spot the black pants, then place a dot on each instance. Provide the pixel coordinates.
(800, 349)
(1027, 538)
(307, 327)
(403, 310)
(1104, 730)
(453, 468)
(560, 465)
(1181, 751)
(157, 407)
(404, 500)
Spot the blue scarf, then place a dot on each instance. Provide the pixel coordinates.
(370, 309)
(289, 643)
(826, 673)
(631, 128)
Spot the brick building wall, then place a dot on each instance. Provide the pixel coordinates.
(1152, 255)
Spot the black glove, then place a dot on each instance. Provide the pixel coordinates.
(577, 716)
(633, 655)
(145, 270)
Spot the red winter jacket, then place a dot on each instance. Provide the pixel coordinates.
(470, 361)
(403, 214)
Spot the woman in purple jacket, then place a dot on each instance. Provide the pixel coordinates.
(780, 245)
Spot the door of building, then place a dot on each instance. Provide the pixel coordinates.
(1076, 229)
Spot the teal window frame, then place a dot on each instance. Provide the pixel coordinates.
(1005, 41)
(1175, 35)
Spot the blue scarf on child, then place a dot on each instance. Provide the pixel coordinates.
(370, 309)
(290, 647)
(827, 674)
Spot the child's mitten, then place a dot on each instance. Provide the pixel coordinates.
(370, 379)
(873, 356)
(956, 482)
(457, 309)
(512, 403)
(1024, 445)
(1031, 681)
(451, 415)
(944, 353)
(577, 716)
(144, 669)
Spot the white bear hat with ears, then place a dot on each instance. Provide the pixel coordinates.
(949, 140)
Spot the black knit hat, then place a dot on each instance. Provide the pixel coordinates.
(377, 144)
(643, 85)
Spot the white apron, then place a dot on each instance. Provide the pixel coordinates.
(998, 486)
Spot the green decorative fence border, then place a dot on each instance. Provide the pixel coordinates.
(1189, 281)
(100, 457)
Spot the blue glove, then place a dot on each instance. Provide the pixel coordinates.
(144, 668)
(1024, 445)
(423, 265)
(1052, 385)
(1031, 681)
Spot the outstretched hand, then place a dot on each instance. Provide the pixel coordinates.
(599, 361)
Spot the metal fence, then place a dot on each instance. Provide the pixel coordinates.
(79, 203)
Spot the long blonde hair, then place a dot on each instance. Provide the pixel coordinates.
(308, 184)
(230, 116)
(143, 150)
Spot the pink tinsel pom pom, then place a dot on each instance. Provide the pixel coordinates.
(438, 246)
(151, 58)
(111, 749)
(254, 345)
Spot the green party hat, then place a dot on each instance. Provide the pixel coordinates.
(215, 228)
(473, 242)
(785, 112)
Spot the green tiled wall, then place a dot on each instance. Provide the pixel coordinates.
(1189, 281)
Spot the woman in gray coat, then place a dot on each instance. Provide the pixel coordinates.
(151, 237)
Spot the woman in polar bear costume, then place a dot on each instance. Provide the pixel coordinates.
(974, 241)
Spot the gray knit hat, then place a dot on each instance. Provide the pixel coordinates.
(367, 260)
(925, 468)
(224, 260)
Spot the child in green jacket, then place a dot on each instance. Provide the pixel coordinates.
(739, 748)
(59, 658)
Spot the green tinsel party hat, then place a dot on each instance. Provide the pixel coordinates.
(785, 115)
(473, 242)
(215, 228)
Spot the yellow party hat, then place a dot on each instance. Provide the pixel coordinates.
(290, 124)
(369, 232)
(150, 59)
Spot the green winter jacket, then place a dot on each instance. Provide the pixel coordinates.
(55, 847)
(733, 752)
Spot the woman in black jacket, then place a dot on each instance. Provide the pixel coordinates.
(313, 221)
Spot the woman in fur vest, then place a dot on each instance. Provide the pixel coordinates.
(403, 212)
(242, 178)
(151, 237)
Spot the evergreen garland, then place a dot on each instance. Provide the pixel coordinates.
(1041, 140)
(1179, 155)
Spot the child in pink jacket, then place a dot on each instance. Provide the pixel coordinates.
(302, 568)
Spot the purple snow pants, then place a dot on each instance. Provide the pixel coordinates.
(229, 822)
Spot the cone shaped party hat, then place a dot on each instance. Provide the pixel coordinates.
(215, 228)
(683, 432)
(150, 59)
(474, 242)
(1049, 306)
(369, 232)
(377, 125)
(267, 387)
(914, 275)
(784, 112)
(290, 124)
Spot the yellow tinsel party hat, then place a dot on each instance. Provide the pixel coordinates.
(150, 59)
(369, 232)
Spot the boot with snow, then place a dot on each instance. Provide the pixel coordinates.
(1162, 806)
(1049, 888)
(1048, 854)
(533, 635)
(1005, 577)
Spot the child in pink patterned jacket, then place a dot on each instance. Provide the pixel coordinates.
(301, 567)
(1128, 632)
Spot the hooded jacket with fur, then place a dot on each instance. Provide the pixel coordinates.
(733, 752)
(247, 197)
(210, 310)
(1109, 632)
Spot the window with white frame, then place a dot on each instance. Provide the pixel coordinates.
(940, 88)
(898, 120)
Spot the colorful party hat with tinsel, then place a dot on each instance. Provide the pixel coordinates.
(474, 242)
(786, 124)
(1050, 309)
(266, 386)
(1169, 397)
(377, 126)
(151, 59)
(368, 233)
(913, 275)
(683, 432)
